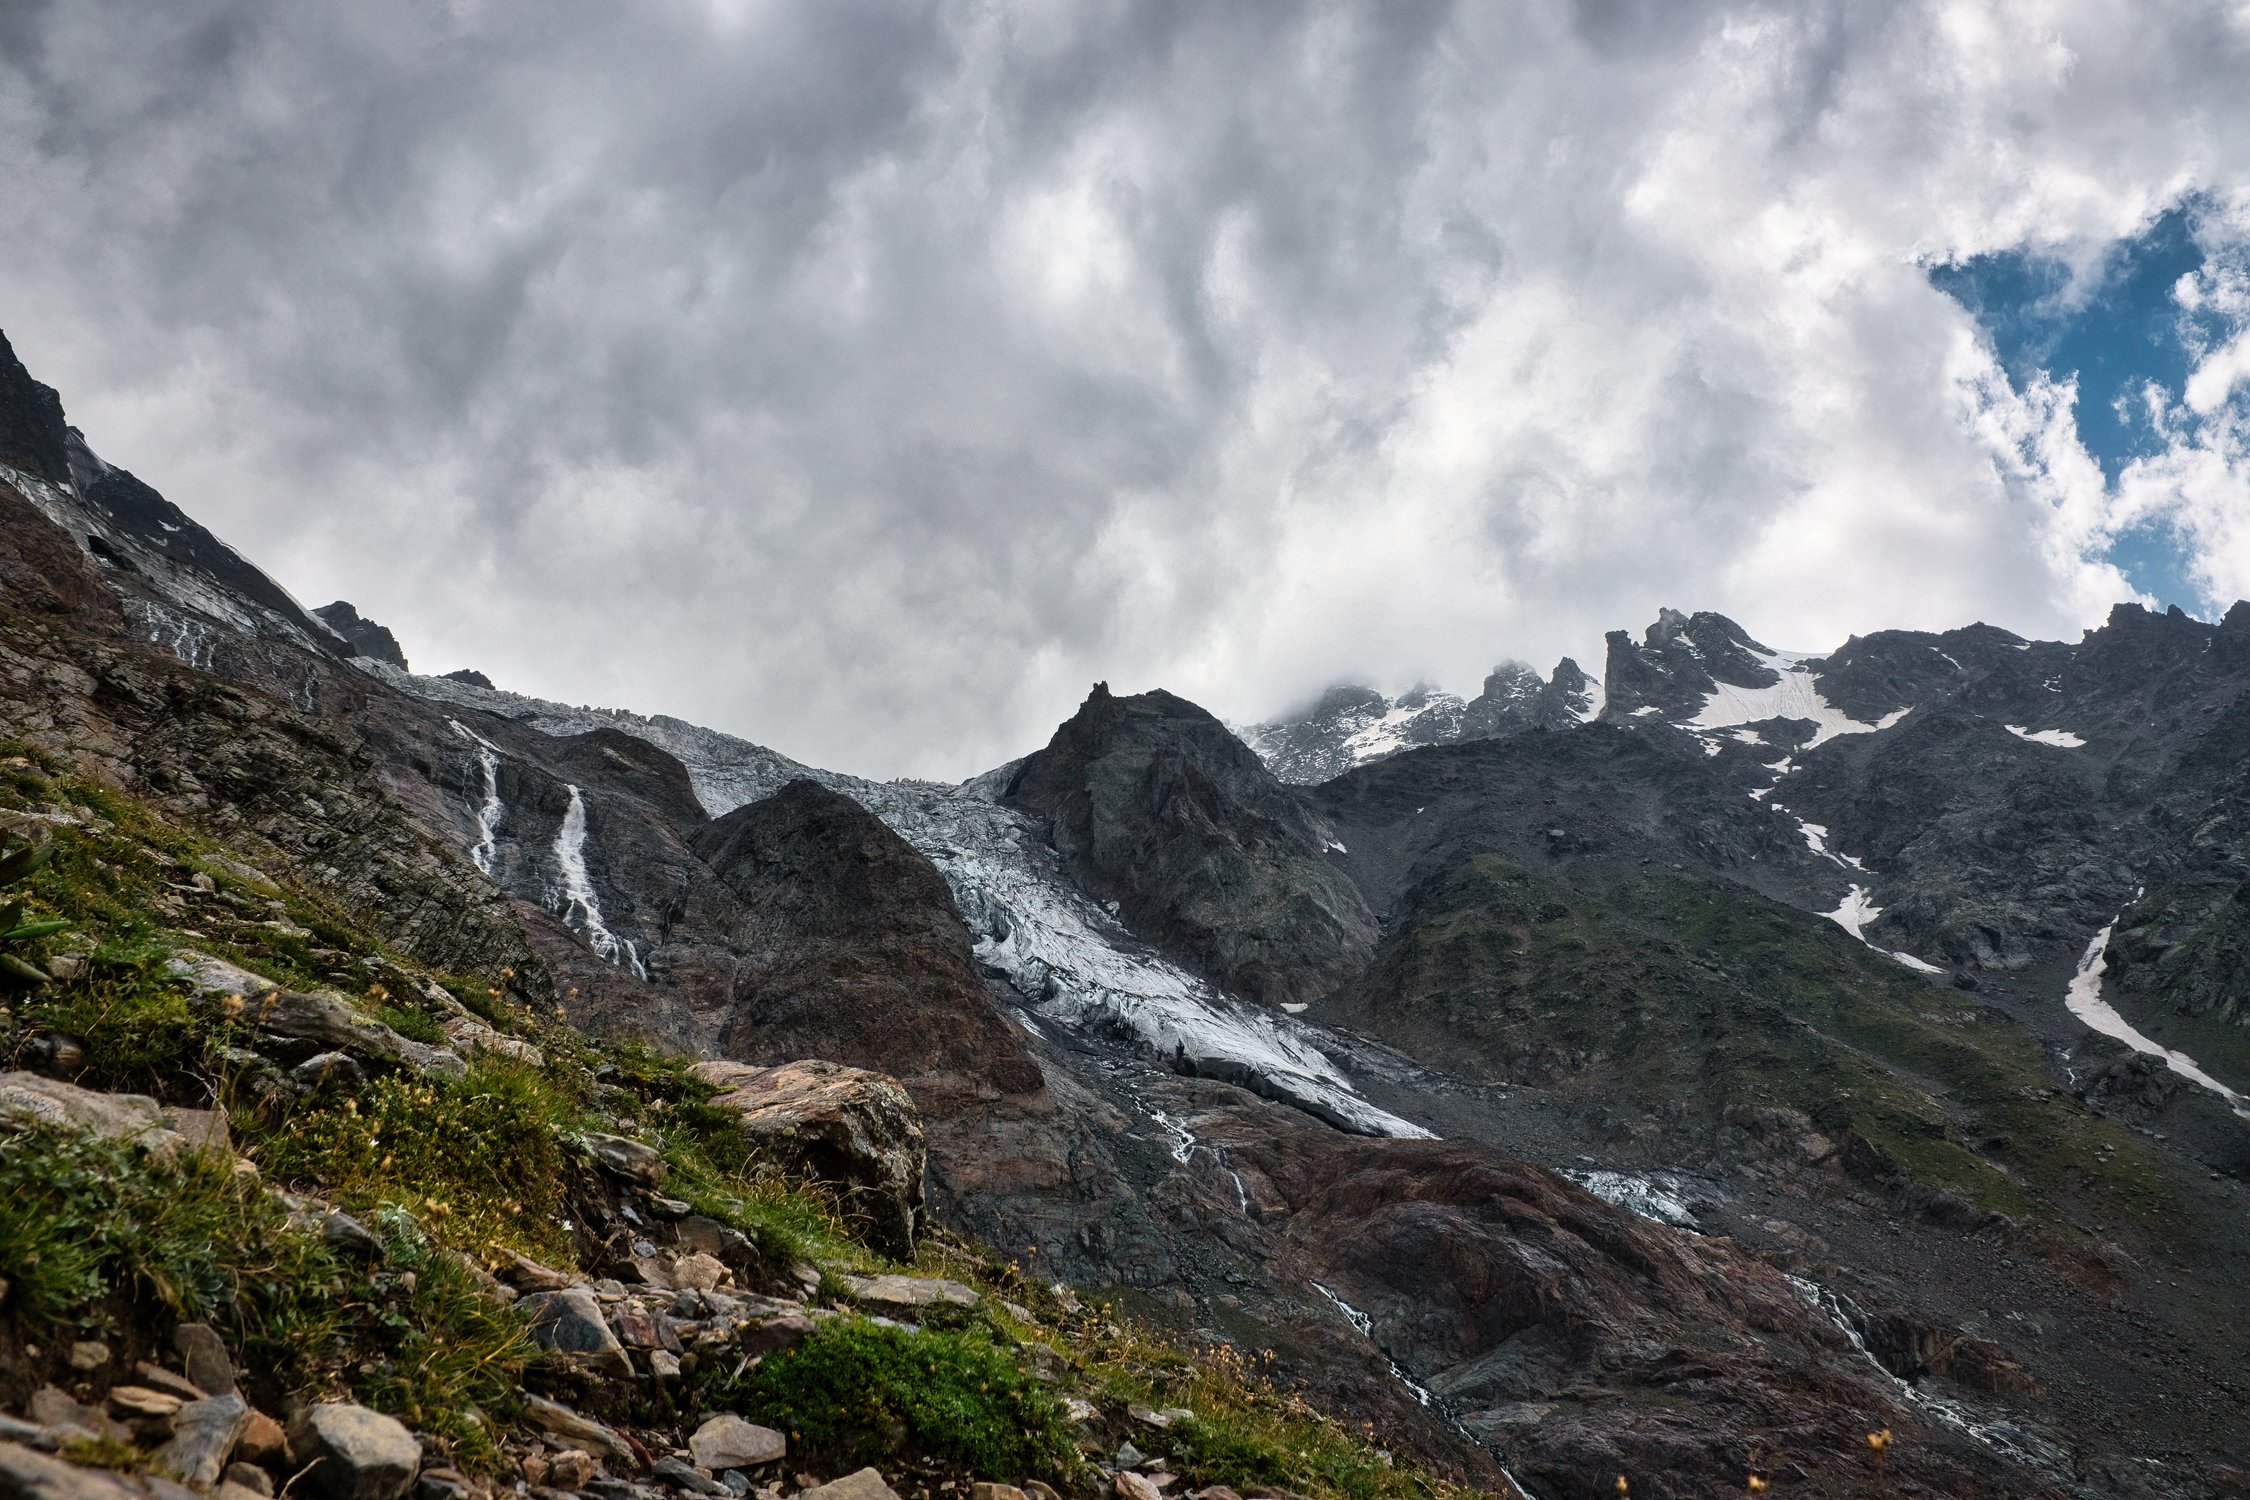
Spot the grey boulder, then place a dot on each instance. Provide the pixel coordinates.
(353, 1453)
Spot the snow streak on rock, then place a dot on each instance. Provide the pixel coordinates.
(577, 899)
(1366, 1327)
(2086, 1003)
(2002, 1436)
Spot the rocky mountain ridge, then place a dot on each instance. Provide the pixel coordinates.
(1765, 947)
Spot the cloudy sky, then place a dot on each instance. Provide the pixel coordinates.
(869, 378)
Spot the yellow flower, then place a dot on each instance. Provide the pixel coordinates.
(1622, 1486)
(1879, 1440)
(1756, 1484)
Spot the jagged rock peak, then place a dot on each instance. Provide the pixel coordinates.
(1156, 806)
(367, 637)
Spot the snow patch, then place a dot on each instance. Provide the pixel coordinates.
(2084, 998)
(2061, 739)
(1858, 912)
(1795, 696)
(1654, 1199)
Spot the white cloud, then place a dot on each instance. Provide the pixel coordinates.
(867, 380)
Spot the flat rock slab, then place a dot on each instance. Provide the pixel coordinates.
(911, 1291)
(354, 1453)
(867, 1484)
(30, 1100)
(729, 1442)
(206, 975)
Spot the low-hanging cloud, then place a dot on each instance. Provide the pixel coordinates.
(867, 378)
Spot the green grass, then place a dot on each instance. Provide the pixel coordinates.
(959, 1396)
(89, 1227)
(455, 1361)
(481, 1160)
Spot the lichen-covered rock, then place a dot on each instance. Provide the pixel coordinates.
(846, 1128)
(353, 1453)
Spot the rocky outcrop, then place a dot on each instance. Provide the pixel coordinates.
(366, 637)
(852, 1131)
(1155, 805)
(847, 946)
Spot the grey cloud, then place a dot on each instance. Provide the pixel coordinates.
(866, 378)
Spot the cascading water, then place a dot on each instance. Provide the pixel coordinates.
(486, 853)
(580, 908)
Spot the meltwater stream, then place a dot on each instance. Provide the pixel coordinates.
(2001, 1436)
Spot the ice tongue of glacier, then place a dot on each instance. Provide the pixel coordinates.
(1068, 958)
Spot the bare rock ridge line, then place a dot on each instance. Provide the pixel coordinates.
(1509, 1068)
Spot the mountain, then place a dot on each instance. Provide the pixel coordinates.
(1350, 726)
(1684, 1074)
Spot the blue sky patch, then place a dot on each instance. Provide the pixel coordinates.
(2118, 331)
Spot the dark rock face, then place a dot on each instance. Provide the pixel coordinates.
(848, 947)
(1154, 805)
(469, 675)
(43, 571)
(32, 434)
(366, 637)
(1580, 1341)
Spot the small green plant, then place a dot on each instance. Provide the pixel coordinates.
(480, 1160)
(17, 935)
(456, 1358)
(960, 1397)
(90, 1228)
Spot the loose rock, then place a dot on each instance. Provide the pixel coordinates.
(354, 1453)
(852, 1129)
(205, 1354)
(203, 1435)
(571, 1322)
(729, 1442)
(867, 1484)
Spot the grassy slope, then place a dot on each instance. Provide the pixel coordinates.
(451, 1174)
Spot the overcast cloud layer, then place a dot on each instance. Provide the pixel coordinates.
(867, 379)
